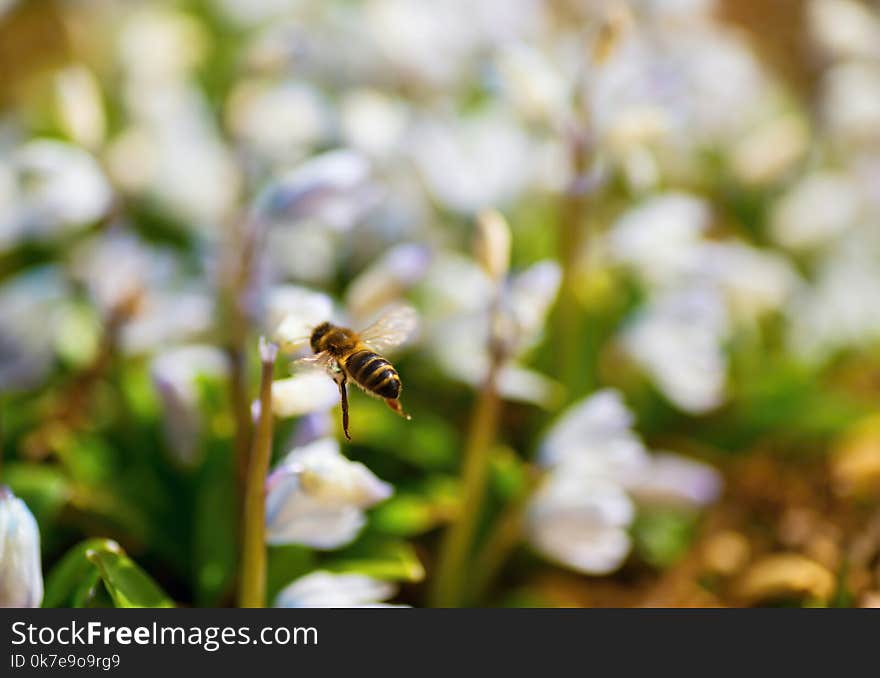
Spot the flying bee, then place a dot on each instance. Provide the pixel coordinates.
(356, 356)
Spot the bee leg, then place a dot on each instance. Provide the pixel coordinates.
(395, 405)
(343, 396)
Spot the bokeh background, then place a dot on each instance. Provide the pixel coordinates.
(642, 238)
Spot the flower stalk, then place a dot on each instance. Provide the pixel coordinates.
(449, 580)
(573, 234)
(505, 536)
(252, 592)
(492, 251)
(239, 274)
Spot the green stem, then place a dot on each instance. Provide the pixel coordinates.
(237, 277)
(505, 536)
(572, 241)
(253, 571)
(238, 395)
(454, 551)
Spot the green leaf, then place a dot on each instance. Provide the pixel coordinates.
(663, 536)
(214, 529)
(92, 592)
(509, 474)
(411, 513)
(64, 582)
(127, 584)
(95, 568)
(286, 563)
(392, 561)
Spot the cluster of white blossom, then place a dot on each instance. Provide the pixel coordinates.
(597, 472)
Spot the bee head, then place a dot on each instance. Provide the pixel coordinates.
(318, 334)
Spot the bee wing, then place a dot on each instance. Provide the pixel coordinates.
(392, 329)
(319, 361)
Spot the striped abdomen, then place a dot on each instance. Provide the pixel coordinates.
(373, 373)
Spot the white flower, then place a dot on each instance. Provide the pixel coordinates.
(664, 241)
(294, 311)
(455, 284)
(815, 211)
(435, 43)
(845, 28)
(166, 316)
(117, 267)
(304, 253)
(839, 309)
(21, 577)
(671, 479)
(771, 150)
(317, 497)
(334, 189)
(694, 84)
(459, 298)
(387, 279)
(373, 122)
(659, 238)
(526, 300)
(534, 84)
(160, 44)
(581, 522)
(58, 187)
(754, 281)
(459, 346)
(172, 150)
(310, 391)
(851, 103)
(678, 339)
(279, 120)
(29, 306)
(311, 427)
(469, 163)
(174, 153)
(175, 375)
(599, 427)
(597, 470)
(426, 42)
(161, 305)
(326, 589)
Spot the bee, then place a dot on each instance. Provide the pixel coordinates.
(356, 356)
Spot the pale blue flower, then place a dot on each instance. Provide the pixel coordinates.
(598, 471)
(335, 189)
(175, 375)
(326, 589)
(21, 577)
(317, 497)
(678, 340)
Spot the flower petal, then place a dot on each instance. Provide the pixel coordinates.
(326, 589)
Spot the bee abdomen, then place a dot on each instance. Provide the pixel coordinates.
(374, 373)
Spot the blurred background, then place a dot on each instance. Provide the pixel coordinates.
(642, 238)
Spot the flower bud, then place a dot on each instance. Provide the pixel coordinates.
(611, 33)
(492, 243)
(21, 579)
